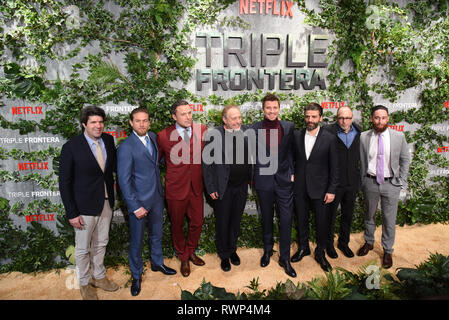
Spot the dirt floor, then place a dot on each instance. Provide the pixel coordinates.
(413, 245)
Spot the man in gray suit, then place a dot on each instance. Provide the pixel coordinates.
(384, 164)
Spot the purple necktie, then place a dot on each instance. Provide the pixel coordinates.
(380, 161)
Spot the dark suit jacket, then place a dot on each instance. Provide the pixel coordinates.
(285, 159)
(184, 170)
(138, 173)
(81, 181)
(216, 175)
(348, 159)
(319, 174)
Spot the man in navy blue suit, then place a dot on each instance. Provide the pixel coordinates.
(273, 179)
(86, 183)
(140, 181)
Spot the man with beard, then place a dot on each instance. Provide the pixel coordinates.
(140, 181)
(384, 164)
(316, 181)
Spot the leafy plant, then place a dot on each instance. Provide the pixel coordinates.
(429, 279)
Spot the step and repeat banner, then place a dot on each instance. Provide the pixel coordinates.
(277, 52)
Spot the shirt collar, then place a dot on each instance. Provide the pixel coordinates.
(91, 141)
(316, 135)
(340, 130)
(141, 138)
(179, 128)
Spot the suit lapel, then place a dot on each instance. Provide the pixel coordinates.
(317, 144)
(302, 145)
(141, 147)
(88, 150)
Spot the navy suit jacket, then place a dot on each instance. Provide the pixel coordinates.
(317, 175)
(81, 181)
(138, 173)
(285, 159)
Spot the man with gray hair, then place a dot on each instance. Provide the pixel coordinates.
(384, 164)
(226, 180)
(347, 147)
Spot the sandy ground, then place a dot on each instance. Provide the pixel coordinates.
(413, 245)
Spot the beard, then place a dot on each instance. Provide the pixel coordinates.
(311, 126)
(380, 128)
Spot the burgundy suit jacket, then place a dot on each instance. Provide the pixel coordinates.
(183, 162)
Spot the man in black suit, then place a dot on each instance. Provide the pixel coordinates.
(348, 144)
(226, 180)
(273, 179)
(316, 180)
(86, 185)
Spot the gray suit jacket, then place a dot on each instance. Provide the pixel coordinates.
(399, 156)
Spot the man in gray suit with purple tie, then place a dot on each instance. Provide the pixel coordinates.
(140, 181)
(384, 164)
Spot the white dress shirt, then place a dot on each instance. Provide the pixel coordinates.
(372, 153)
(142, 139)
(309, 142)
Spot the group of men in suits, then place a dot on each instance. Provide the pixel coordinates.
(316, 168)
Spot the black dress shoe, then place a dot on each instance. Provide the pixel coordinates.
(324, 264)
(287, 268)
(301, 253)
(225, 265)
(265, 260)
(346, 250)
(331, 252)
(135, 287)
(164, 269)
(235, 259)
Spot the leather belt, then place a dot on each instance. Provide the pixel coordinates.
(375, 178)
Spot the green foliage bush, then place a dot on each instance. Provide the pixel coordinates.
(409, 46)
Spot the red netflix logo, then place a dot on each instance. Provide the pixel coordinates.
(196, 107)
(397, 128)
(332, 104)
(446, 104)
(40, 217)
(442, 149)
(117, 134)
(33, 166)
(26, 110)
(280, 8)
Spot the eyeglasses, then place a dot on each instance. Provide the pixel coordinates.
(343, 118)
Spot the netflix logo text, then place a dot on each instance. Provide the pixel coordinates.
(40, 217)
(443, 149)
(196, 107)
(23, 166)
(26, 110)
(279, 8)
(332, 104)
(117, 134)
(399, 128)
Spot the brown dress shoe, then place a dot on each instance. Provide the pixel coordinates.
(363, 251)
(88, 292)
(387, 261)
(185, 268)
(196, 260)
(104, 283)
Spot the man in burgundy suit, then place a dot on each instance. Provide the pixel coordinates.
(181, 145)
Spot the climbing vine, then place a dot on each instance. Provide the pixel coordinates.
(141, 53)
